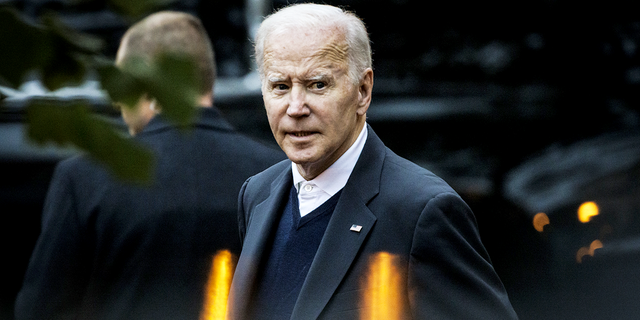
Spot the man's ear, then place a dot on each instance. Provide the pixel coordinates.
(364, 91)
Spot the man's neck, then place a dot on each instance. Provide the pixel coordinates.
(206, 100)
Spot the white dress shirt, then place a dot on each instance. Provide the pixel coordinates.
(313, 193)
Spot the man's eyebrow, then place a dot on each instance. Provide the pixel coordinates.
(316, 77)
(319, 77)
(275, 79)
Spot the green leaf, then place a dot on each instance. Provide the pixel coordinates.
(69, 38)
(65, 69)
(49, 121)
(174, 84)
(139, 7)
(172, 81)
(68, 64)
(24, 47)
(121, 87)
(55, 50)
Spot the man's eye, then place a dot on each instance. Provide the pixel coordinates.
(281, 86)
(318, 85)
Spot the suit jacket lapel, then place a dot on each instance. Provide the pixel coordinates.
(340, 245)
(263, 220)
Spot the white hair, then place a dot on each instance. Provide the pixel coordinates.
(309, 15)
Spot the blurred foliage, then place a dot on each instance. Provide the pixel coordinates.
(138, 7)
(61, 57)
(59, 53)
(171, 81)
(50, 121)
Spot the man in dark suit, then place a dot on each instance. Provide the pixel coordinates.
(114, 250)
(316, 228)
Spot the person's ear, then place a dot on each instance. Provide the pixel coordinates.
(365, 89)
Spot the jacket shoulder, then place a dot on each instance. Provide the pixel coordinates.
(258, 186)
(263, 180)
(81, 167)
(407, 175)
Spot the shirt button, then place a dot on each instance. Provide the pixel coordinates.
(308, 188)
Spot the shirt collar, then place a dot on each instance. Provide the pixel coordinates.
(334, 178)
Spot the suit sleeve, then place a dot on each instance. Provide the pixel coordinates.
(242, 225)
(56, 276)
(450, 273)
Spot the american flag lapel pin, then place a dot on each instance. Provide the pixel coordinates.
(356, 228)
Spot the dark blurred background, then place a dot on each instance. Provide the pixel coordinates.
(528, 108)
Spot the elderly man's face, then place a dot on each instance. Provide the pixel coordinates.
(315, 110)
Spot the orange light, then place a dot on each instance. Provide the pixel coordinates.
(383, 289)
(540, 220)
(591, 250)
(587, 210)
(218, 285)
(581, 253)
(596, 244)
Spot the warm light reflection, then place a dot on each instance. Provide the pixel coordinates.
(383, 289)
(581, 253)
(596, 244)
(217, 290)
(540, 220)
(587, 210)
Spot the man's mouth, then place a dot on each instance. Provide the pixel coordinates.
(302, 134)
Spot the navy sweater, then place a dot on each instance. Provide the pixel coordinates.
(294, 245)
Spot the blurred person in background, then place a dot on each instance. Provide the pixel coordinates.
(312, 224)
(109, 249)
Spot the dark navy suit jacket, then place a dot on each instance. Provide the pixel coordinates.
(112, 250)
(404, 211)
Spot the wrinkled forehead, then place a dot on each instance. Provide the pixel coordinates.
(323, 43)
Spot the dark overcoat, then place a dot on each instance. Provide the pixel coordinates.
(390, 206)
(114, 250)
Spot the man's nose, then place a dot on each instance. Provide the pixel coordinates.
(298, 106)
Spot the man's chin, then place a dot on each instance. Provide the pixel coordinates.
(301, 160)
(300, 154)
